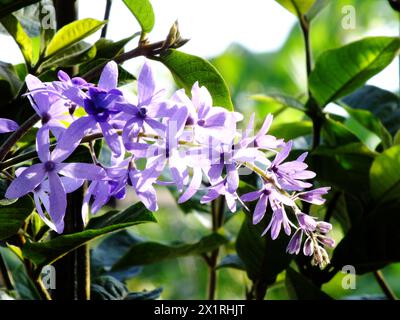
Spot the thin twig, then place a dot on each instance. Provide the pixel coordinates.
(106, 17)
(384, 285)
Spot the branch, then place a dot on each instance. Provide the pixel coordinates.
(384, 285)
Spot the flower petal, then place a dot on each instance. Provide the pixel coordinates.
(109, 76)
(26, 182)
(85, 171)
(58, 201)
(7, 125)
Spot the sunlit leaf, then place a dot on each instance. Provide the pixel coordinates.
(187, 69)
(340, 71)
(143, 11)
(72, 33)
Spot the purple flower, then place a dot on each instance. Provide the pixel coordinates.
(294, 245)
(278, 219)
(288, 175)
(308, 247)
(306, 222)
(48, 104)
(101, 104)
(166, 150)
(265, 194)
(149, 107)
(314, 196)
(205, 119)
(221, 188)
(261, 140)
(7, 125)
(41, 197)
(51, 165)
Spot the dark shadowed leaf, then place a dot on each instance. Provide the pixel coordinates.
(47, 252)
(340, 71)
(263, 257)
(109, 251)
(12, 216)
(373, 242)
(301, 288)
(9, 6)
(144, 295)
(384, 104)
(232, 261)
(151, 252)
(187, 69)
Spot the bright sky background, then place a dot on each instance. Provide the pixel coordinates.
(212, 25)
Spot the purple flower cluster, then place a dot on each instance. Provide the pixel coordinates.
(161, 140)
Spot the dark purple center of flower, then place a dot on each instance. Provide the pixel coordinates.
(45, 118)
(267, 192)
(142, 113)
(49, 166)
(201, 122)
(72, 108)
(189, 121)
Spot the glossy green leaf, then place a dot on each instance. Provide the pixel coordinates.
(43, 253)
(291, 130)
(143, 11)
(108, 49)
(9, 76)
(301, 288)
(345, 167)
(281, 99)
(263, 257)
(187, 69)
(231, 261)
(71, 34)
(340, 71)
(152, 252)
(109, 251)
(12, 216)
(384, 104)
(9, 6)
(385, 175)
(22, 283)
(316, 8)
(74, 55)
(23, 41)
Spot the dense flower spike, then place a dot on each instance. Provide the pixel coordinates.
(155, 140)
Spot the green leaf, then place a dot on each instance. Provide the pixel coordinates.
(23, 41)
(143, 12)
(340, 71)
(373, 242)
(187, 69)
(144, 295)
(74, 55)
(71, 34)
(9, 77)
(316, 8)
(345, 167)
(9, 6)
(43, 253)
(108, 49)
(281, 99)
(385, 175)
(297, 7)
(232, 261)
(12, 216)
(291, 130)
(384, 104)
(23, 284)
(263, 257)
(152, 252)
(109, 251)
(301, 288)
